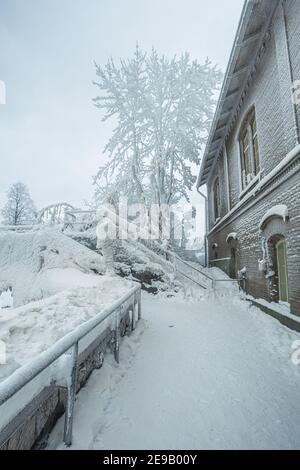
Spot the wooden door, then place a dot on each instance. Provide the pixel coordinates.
(282, 271)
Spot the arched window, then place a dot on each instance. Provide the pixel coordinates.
(217, 199)
(250, 163)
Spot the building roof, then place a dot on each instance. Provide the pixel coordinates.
(249, 40)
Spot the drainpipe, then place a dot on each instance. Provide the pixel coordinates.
(206, 227)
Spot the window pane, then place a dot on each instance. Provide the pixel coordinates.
(217, 198)
(256, 155)
(249, 150)
(255, 146)
(245, 157)
(246, 141)
(247, 161)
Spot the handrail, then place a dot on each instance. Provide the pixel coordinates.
(25, 374)
(212, 279)
(193, 280)
(193, 267)
(172, 253)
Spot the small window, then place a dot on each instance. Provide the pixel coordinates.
(217, 199)
(249, 150)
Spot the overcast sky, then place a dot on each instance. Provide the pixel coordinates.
(51, 136)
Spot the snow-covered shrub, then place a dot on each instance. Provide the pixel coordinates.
(136, 261)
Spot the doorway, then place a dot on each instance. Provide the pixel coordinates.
(233, 263)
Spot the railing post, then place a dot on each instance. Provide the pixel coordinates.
(213, 282)
(117, 337)
(69, 414)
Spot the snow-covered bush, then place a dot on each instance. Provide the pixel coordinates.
(135, 261)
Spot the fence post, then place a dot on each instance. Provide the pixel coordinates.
(117, 337)
(69, 414)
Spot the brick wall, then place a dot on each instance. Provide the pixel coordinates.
(292, 8)
(265, 96)
(246, 223)
(270, 94)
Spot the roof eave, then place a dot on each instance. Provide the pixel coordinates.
(243, 23)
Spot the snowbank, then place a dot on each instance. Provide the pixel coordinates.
(29, 260)
(33, 328)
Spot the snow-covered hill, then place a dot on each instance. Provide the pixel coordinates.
(34, 327)
(34, 264)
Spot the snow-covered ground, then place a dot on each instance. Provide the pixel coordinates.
(202, 370)
(211, 374)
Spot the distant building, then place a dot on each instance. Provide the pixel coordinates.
(252, 160)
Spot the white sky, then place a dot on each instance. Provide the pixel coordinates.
(51, 136)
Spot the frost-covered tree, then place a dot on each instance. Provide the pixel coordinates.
(19, 208)
(162, 110)
(121, 97)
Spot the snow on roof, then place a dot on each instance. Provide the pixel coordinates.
(279, 210)
(231, 236)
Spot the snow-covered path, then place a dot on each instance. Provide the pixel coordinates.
(215, 374)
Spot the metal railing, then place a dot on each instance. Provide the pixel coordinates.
(171, 255)
(25, 374)
(240, 281)
(193, 269)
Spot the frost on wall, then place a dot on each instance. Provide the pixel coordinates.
(279, 210)
(231, 236)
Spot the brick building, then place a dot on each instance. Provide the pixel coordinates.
(252, 160)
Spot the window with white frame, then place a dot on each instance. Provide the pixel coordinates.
(250, 164)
